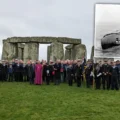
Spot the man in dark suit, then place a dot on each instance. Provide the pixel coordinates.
(57, 67)
(30, 71)
(4, 71)
(106, 71)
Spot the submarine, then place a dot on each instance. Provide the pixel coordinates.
(110, 40)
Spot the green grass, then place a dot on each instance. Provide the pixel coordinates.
(21, 101)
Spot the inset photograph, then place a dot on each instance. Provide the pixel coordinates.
(107, 31)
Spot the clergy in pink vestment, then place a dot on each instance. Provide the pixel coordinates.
(38, 73)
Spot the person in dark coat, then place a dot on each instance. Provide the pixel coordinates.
(21, 70)
(65, 65)
(1, 71)
(44, 72)
(88, 73)
(30, 71)
(118, 65)
(13, 66)
(98, 74)
(79, 73)
(83, 66)
(10, 73)
(47, 74)
(33, 74)
(7, 64)
(114, 77)
(106, 74)
(17, 71)
(57, 67)
(62, 68)
(4, 71)
(24, 72)
(70, 73)
(52, 71)
(74, 70)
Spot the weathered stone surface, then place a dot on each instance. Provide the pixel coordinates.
(31, 51)
(20, 45)
(69, 46)
(9, 50)
(20, 50)
(20, 53)
(49, 50)
(92, 52)
(57, 51)
(78, 51)
(68, 54)
(44, 40)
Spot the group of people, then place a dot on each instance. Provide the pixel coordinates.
(101, 75)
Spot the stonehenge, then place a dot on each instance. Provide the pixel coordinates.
(75, 52)
(26, 48)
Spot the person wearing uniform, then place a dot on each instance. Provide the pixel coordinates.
(57, 67)
(88, 73)
(114, 77)
(79, 73)
(98, 74)
(47, 74)
(4, 71)
(70, 73)
(106, 74)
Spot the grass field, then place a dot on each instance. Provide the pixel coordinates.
(21, 101)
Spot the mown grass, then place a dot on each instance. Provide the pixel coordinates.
(21, 101)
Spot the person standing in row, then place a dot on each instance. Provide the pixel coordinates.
(114, 77)
(4, 71)
(38, 73)
(47, 74)
(17, 71)
(62, 67)
(79, 73)
(106, 75)
(57, 72)
(88, 73)
(1, 71)
(10, 73)
(52, 71)
(44, 71)
(30, 71)
(70, 73)
(98, 74)
(118, 65)
(74, 70)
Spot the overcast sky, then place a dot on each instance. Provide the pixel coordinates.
(63, 18)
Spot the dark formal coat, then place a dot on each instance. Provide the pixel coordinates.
(57, 71)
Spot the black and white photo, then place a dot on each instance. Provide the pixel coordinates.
(107, 31)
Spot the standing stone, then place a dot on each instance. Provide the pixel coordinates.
(57, 51)
(9, 51)
(20, 53)
(20, 50)
(78, 52)
(68, 51)
(68, 54)
(48, 53)
(31, 51)
(92, 52)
